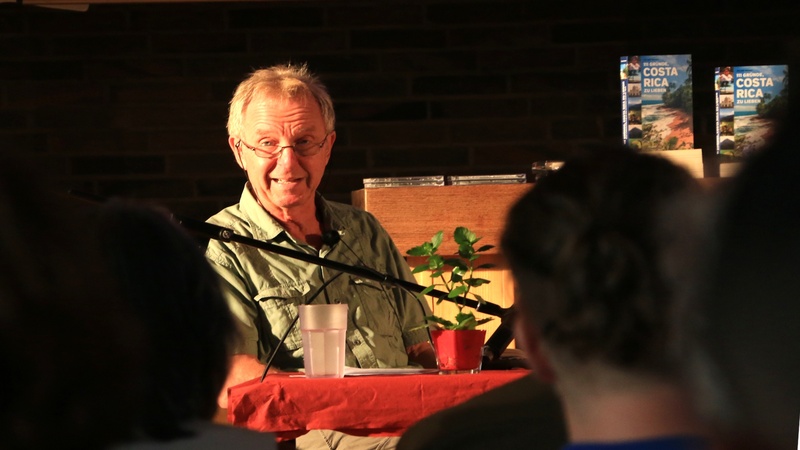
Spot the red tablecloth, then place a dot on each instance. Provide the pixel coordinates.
(375, 405)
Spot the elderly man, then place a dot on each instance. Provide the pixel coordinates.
(281, 131)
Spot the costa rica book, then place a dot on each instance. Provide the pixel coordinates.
(749, 101)
(657, 108)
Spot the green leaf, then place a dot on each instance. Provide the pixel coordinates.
(427, 290)
(436, 240)
(455, 277)
(475, 282)
(435, 262)
(455, 292)
(460, 270)
(420, 268)
(465, 251)
(454, 262)
(486, 266)
(419, 250)
(462, 235)
(444, 322)
(484, 248)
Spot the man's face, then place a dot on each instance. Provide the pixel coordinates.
(288, 181)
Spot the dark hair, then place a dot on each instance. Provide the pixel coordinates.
(586, 240)
(177, 295)
(69, 349)
(749, 301)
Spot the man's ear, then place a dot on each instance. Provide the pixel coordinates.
(237, 152)
(529, 338)
(332, 139)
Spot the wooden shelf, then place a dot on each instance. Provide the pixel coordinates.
(412, 215)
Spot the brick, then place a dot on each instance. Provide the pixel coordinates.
(213, 140)
(129, 68)
(506, 130)
(381, 15)
(477, 13)
(367, 87)
(299, 41)
(346, 159)
(477, 108)
(37, 94)
(201, 43)
(97, 19)
(115, 45)
(91, 117)
(229, 187)
(428, 61)
(275, 16)
(520, 156)
(565, 81)
(17, 46)
(463, 85)
(12, 70)
(526, 58)
(13, 120)
(97, 141)
(397, 39)
(491, 36)
(579, 128)
(169, 117)
(117, 165)
(145, 188)
(203, 163)
(397, 134)
(19, 141)
(177, 17)
(158, 92)
(420, 156)
(381, 111)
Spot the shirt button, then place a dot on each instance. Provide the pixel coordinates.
(337, 301)
(357, 342)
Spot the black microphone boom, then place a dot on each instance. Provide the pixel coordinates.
(227, 235)
(495, 345)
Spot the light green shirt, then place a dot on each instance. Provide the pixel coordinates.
(264, 289)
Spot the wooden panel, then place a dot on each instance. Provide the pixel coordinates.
(412, 215)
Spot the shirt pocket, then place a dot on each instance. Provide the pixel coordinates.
(378, 309)
(279, 310)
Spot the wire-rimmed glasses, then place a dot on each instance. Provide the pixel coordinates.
(303, 147)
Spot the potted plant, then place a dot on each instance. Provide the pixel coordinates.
(457, 342)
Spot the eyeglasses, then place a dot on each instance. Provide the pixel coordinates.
(303, 147)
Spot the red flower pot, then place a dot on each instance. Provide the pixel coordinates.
(459, 351)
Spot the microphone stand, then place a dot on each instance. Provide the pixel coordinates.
(495, 345)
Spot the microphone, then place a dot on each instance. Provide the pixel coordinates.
(331, 238)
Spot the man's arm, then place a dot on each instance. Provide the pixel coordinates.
(243, 368)
(422, 354)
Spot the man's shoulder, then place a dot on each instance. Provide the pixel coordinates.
(349, 214)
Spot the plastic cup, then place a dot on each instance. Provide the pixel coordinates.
(324, 328)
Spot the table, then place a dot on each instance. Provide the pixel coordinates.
(376, 405)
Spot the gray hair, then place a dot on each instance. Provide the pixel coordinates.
(283, 81)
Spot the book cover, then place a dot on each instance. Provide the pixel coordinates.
(657, 109)
(749, 100)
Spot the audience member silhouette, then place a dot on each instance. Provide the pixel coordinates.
(190, 332)
(522, 414)
(585, 247)
(748, 367)
(70, 352)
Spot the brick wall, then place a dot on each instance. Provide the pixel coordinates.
(131, 100)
